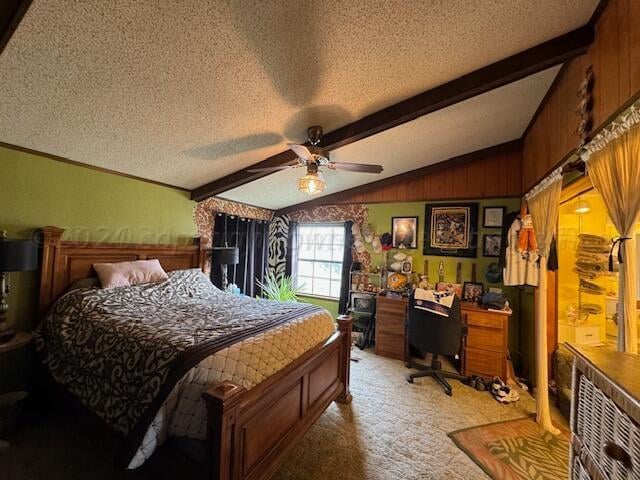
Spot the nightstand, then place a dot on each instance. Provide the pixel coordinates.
(21, 340)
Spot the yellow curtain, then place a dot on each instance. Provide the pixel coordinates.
(544, 202)
(615, 172)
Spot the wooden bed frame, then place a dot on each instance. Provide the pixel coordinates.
(250, 432)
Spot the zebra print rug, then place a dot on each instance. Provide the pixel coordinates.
(516, 450)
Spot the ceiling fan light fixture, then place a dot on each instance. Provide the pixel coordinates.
(312, 183)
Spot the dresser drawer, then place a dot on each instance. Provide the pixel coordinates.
(390, 345)
(396, 307)
(390, 323)
(484, 362)
(481, 319)
(486, 338)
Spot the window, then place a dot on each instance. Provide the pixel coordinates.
(319, 262)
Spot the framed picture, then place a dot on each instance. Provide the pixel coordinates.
(451, 230)
(407, 267)
(472, 292)
(491, 244)
(450, 287)
(404, 232)
(493, 217)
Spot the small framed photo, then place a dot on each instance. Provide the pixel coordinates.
(493, 217)
(472, 292)
(404, 232)
(407, 267)
(491, 245)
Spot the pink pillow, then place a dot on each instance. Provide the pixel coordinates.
(124, 274)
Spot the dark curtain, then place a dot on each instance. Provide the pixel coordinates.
(347, 260)
(252, 239)
(292, 249)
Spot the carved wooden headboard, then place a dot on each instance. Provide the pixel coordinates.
(65, 262)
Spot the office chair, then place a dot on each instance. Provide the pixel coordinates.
(438, 335)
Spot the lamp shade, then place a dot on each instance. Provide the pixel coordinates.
(17, 255)
(225, 256)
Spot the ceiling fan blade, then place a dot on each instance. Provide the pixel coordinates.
(270, 169)
(356, 167)
(302, 152)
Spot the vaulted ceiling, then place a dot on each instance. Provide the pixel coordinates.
(188, 92)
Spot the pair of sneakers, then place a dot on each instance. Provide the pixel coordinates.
(502, 393)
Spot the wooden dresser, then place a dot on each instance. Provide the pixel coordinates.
(605, 414)
(485, 350)
(391, 316)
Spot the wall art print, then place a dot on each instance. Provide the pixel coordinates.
(451, 229)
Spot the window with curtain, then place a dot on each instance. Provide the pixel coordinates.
(319, 259)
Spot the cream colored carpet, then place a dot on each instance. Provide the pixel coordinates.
(396, 430)
(392, 431)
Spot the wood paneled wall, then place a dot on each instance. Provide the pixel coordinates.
(490, 173)
(615, 57)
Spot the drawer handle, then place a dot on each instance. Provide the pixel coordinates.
(617, 453)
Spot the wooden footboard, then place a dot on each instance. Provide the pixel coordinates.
(250, 432)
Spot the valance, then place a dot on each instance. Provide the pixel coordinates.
(617, 128)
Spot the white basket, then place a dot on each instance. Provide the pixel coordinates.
(599, 421)
(579, 472)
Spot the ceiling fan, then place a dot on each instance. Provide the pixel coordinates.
(313, 157)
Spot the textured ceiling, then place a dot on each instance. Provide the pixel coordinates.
(490, 119)
(187, 92)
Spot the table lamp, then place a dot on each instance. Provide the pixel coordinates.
(224, 256)
(15, 256)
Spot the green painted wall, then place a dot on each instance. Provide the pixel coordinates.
(331, 305)
(90, 205)
(520, 327)
(380, 218)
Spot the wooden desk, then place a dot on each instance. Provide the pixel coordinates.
(485, 348)
(391, 316)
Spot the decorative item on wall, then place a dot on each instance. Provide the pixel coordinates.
(441, 271)
(451, 230)
(472, 292)
(459, 272)
(404, 232)
(585, 107)
(473, 272)
(492, 217)
(368, 233)
(491, 244)
(376, 245)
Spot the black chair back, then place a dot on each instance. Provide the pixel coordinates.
(432, 333)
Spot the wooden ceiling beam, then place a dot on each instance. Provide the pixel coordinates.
(11, 13)
(511, 69)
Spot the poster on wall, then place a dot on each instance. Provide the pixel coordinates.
(404, 232)
(451, 230)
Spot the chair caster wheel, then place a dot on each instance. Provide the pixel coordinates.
(409, 379)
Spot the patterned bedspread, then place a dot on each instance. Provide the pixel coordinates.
(130, 354)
